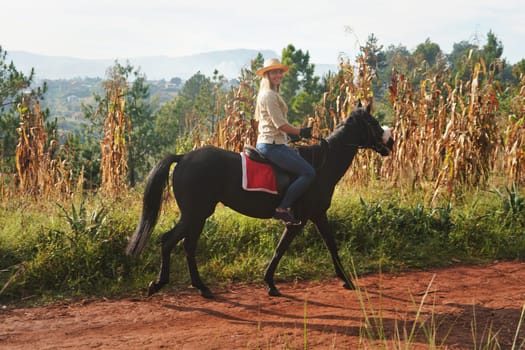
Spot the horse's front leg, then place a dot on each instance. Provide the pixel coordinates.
(324, 229)
(287, 238)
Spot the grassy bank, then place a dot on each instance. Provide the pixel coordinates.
(65, 250)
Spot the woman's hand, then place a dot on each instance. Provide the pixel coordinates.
(306, 132)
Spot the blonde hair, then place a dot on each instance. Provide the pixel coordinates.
(266, 84)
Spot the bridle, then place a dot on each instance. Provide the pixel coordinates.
(372, 134)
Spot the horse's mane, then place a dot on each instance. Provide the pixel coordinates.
(315, 154)
(337, 134)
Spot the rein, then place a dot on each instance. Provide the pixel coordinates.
(318, 156)
(321, 139)
(376, 146)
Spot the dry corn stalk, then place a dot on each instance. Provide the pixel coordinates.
(114, 149)
(514, 140)
(444, 135)
(355, 87)
(236, 129)
(6, 190)
(40, 170)
(471, 135)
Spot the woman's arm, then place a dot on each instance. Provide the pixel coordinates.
(290, 129)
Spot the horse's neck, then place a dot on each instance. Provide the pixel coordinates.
(338, 161)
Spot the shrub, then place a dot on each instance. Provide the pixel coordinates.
(71, 250)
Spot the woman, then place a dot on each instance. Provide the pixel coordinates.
(273, 131)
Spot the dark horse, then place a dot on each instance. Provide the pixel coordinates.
(209, 175)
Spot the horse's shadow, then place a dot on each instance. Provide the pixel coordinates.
(467, 326)
(285, 320)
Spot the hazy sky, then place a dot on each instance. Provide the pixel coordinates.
(119, 29)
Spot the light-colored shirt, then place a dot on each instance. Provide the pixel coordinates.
(271, 111)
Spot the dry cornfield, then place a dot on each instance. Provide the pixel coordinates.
(447, 137)
(236, 130)
(41, 173)
(452, 136)
(513, 150)
(113, 145)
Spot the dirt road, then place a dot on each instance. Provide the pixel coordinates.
(457, 303)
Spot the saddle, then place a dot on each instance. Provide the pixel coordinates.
(281, 179)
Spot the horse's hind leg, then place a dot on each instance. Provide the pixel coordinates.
(169, 241)
(289, 234)
(190, 246)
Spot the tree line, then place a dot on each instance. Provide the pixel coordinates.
(192, 117)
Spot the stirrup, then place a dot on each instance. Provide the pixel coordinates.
(286, 216)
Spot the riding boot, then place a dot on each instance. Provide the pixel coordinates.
(285, 214)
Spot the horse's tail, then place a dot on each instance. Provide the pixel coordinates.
(157, 181)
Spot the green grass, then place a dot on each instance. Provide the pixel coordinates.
(65, 250)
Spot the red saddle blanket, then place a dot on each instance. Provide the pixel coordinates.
(257, 176)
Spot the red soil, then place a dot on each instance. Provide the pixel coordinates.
(461, 301)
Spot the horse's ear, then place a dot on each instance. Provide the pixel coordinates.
(359, 105)
(368, 108)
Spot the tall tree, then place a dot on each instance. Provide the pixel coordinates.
(200, 92)
(461, 50)
(519, 69)
(396, 58)
(13, 85)
(191, 114)
(248, 75)
(300, 88)
(376, 60)
(429, 52)
(208, 103)
(493, 48)
(169, 125)
(460, 59)
(143, 142)
(83, 153)
(492, 53)
(192, 87)
(192, 97)
(375, 56)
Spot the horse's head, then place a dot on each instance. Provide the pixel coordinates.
(366, 132)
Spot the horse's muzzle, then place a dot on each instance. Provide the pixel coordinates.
(386, 147)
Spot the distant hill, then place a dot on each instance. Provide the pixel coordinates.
(228, 63)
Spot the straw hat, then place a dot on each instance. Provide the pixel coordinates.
(271, 64)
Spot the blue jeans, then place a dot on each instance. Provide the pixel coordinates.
(289, 160)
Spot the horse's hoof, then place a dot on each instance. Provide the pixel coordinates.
(153, 288)
(206, 293)
(274, 292)
(349, 286)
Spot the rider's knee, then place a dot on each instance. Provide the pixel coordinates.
(310, 174)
